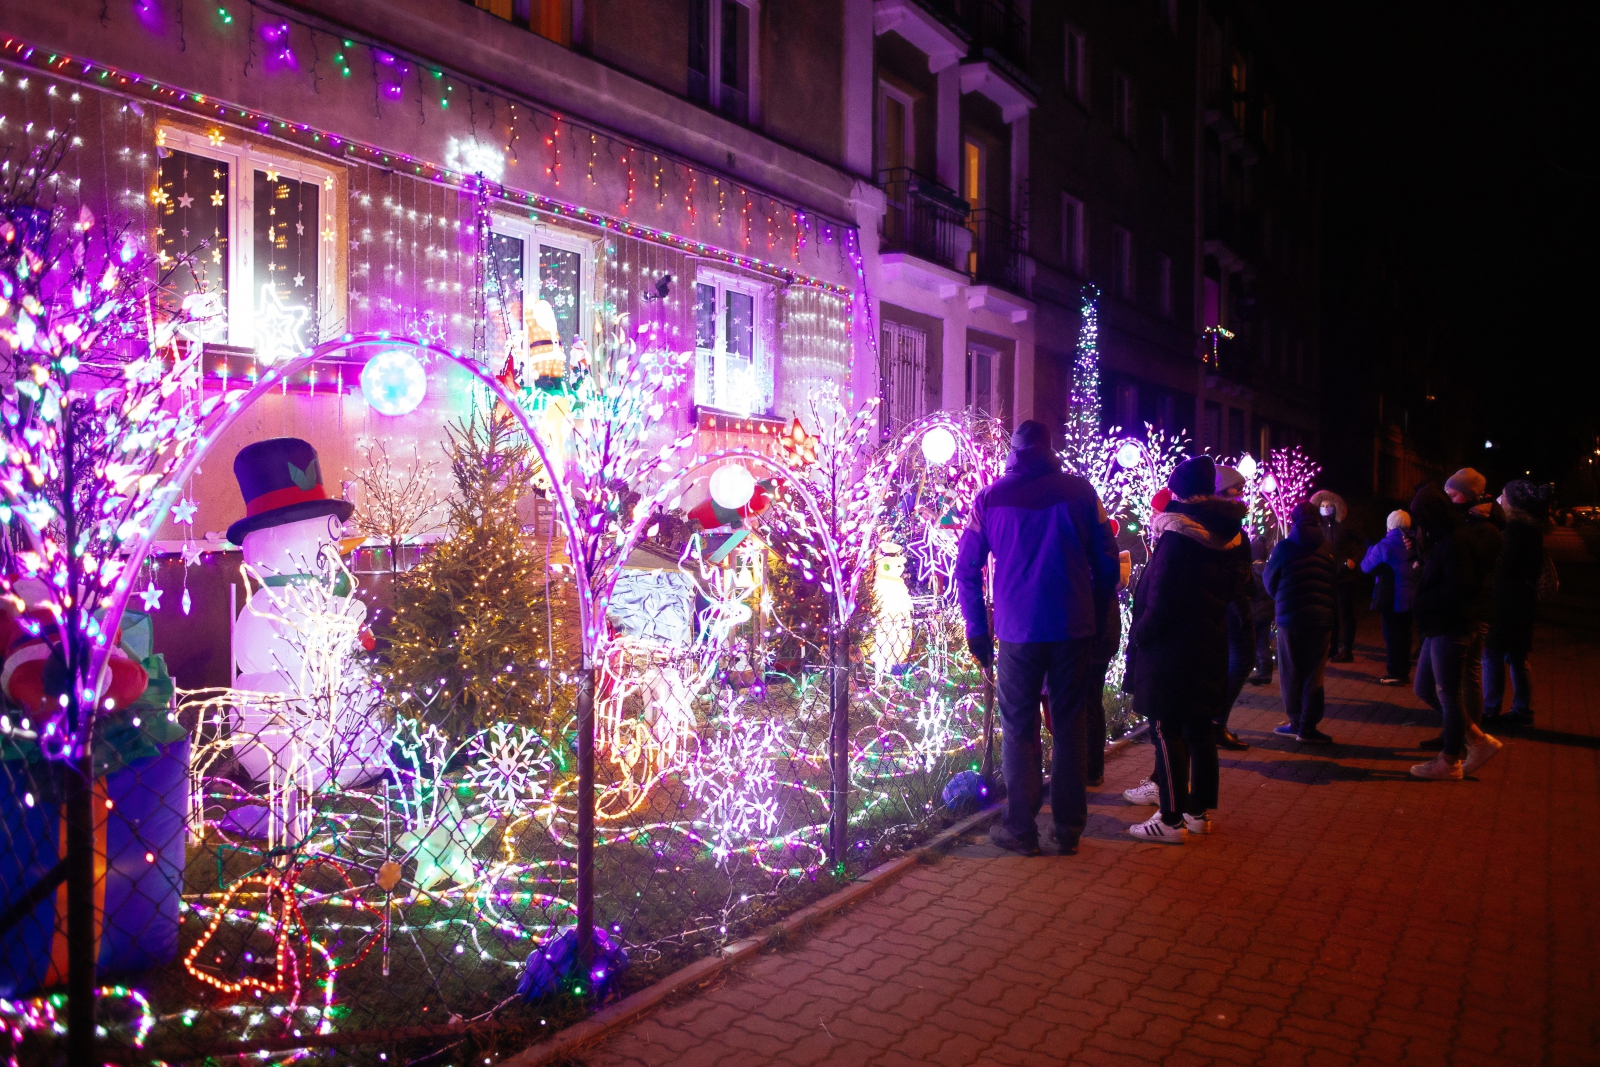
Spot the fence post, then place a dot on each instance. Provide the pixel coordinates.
(839, 743)
(586, 684)
(77, 779)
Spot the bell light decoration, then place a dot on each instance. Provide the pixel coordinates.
(732, 486)
(1129, 455)
(393, 382)
(938, 445)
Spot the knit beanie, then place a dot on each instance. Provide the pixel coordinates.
(1467, 482)
(1029, 436)
(1305, 513)
(1196, 476)
(1528, 496)
(1228, 478)
(1399, 520)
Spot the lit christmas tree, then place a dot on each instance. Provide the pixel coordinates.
(1083, 446)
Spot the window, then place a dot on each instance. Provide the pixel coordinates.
(1077, 66)
(536, 262)
(1122, 262)
(1169, 9)
(722, 56)
(1122, 106)
(982, 363)
(1166, 138)
(262, 231)
(1164, 283)
(733, 371)
(972, 174)
(902, 373)
(1074, 244)
(895, 128)
(1238, 81)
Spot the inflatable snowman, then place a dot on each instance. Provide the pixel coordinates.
(299, 631)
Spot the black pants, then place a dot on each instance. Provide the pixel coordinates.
(1496, 663)
(1186, 767)
(1449, 680)
(1344, 618)
(1094, 720)
(1241, 660)
(1397, 643)
(1265, 642)
(1302, 655)
(1022, 670)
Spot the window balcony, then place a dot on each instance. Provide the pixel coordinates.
(999, 253)
(923, 218)
(1000, 35)
(1228, 236)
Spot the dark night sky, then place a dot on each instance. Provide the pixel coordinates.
(1464, 136)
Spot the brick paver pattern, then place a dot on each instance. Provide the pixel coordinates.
(1342, 913)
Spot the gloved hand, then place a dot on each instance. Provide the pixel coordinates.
(982, 649)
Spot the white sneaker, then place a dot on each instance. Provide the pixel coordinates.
(1438, 769)
(1198, 824)
(1146, 792)
(1153, 829)
(1481, 753)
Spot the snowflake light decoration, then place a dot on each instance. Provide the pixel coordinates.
(514, 773)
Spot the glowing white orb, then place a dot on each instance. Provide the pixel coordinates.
(1129, 454)
(938, 445)
(393, 382)
(1269, 484)
(732, 486)
(1247, 466)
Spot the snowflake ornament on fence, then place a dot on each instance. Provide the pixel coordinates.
(514, 773)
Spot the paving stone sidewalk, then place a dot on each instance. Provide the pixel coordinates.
(1342, 913)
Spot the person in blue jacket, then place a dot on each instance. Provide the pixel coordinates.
(1054, 572)
(1394, 561)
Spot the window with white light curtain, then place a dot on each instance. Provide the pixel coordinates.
(732, 327)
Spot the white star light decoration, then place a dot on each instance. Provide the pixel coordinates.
(191, 553)
(183, 511)
(278, 328)
(151, 596)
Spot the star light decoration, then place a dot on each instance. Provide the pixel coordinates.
(279, 329)
(94, 417)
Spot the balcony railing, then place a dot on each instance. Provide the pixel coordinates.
(923, 217)
(999, 32)
(999, 250)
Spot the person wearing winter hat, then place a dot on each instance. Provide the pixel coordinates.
(1300, 577)
(1465, 486)
(1341, 543)
(1179, 645)
(1453, 604)
(1241, 624)
(1521, 570)
(1394, 561)
(1053, 574)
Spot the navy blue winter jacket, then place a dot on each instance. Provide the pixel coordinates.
(1300, 576)
(1055, 558)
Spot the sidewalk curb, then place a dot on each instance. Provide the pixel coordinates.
(626, 1010)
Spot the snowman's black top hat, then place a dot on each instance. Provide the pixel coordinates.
(281, 482)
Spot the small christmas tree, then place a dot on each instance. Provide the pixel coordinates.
(1083, 445)
(477, 631)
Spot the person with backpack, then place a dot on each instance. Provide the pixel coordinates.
(1393, 561)
(1300, 576)
(1179, 645)
(1522, 567)
(1454, 604)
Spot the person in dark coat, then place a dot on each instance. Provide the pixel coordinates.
(1516, 599)
(1262, 610)
(1393, 561)
(1341, 542)
(1241, 622)
(1106, 647)
(1179, 642)
(1300, 576)
(1054, 573)
(1453, 606)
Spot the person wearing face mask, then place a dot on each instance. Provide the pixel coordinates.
(1300, 576)
(1342, 546)
(1394, 561)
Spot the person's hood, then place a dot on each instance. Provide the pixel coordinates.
(1213, 521)
(1434, 512)
(1308, 535)
(1324, 496)
(1032, 462)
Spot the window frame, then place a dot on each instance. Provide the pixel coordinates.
(1122, 268)
(1074, 234)
(532, 234)
(244, 157)
(762, 355)
(1075, 68)
(752, 115)
(974, 349)
(1122, 106)
(886, 92)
